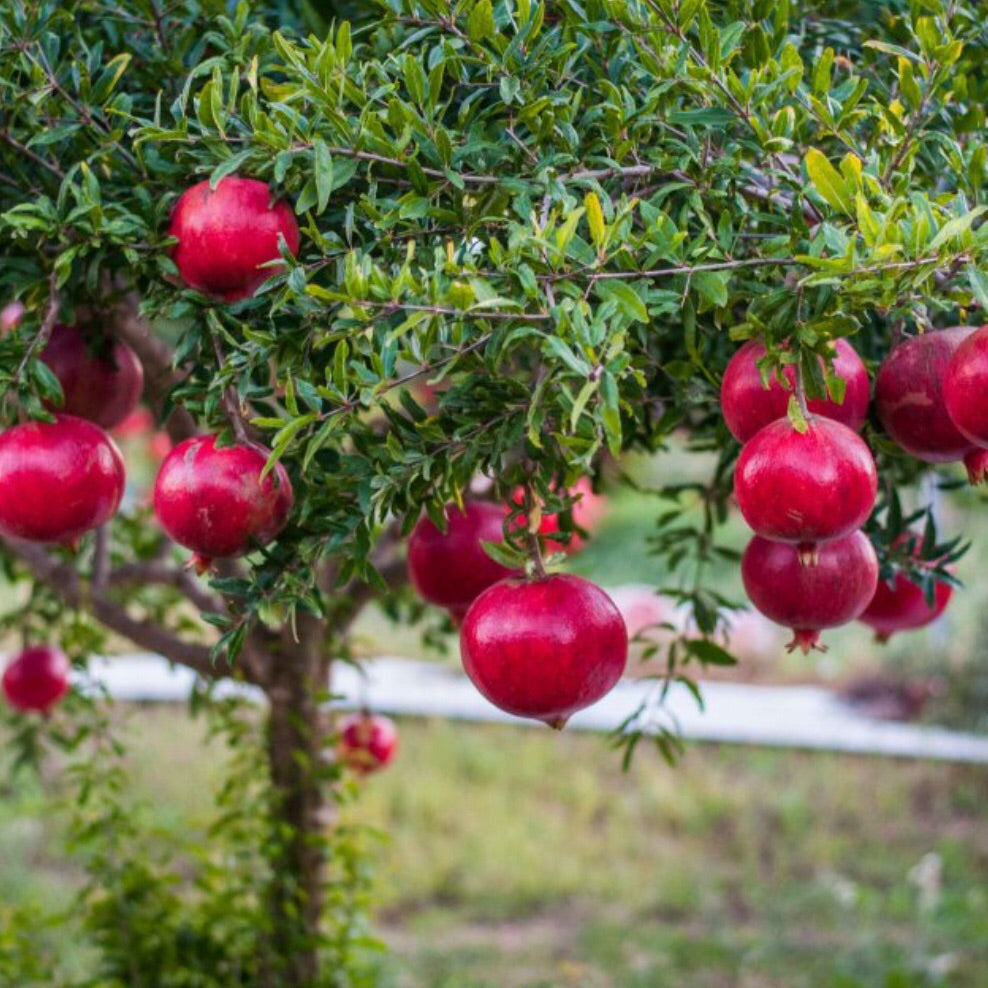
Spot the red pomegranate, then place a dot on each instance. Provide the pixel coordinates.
(36, 679)
(805, 487)
(976, 462)
(211, 499)
(909, 396)
(810, 598)
(965, 387)
(102, 384)
(60, 479)
(748, 406)
(544, 648)
(588, 509)
(450, 568)
(368, 742)
(225, 235)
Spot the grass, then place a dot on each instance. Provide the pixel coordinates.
(524, 859)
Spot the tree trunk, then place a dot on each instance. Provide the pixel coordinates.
(297, 733)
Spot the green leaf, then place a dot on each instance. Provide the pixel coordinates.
(978, 281)
(628, 301)
(480, 23)
(323, 169)
(956, 227)
(712, 286)
(709, 653)
(828, 181)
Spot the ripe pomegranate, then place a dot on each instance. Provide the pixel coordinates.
(103, 387)
(965, 387)
(368, 742)
(544, 648)
(211, 499)
(909, 396)
(60, 479)
(36, 679)
(225, 234)
(810, 598)
(748, 406)
(976, 462)
(805, 487)
(450, 568)
(588, 509)
(902, 606)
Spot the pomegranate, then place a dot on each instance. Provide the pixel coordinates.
(805, 487)
(748, 406)
(36, 679)
(810, 598)
(902, 606)
(450, 568)
(60, 479)
(544, 648)
(909, 396)
(965, 387)
(368, 742)
(11, 316)
(225, 235)
(976, 462)
(102, 386)
(211, 499)
(588, 508)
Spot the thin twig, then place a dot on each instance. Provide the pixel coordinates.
(231, 403)
(31, 155)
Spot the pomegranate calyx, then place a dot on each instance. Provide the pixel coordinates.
(806, 640)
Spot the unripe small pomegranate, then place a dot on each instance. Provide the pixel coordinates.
(225, 235)
(450, 569)
(103, 387)
(965, 387)
(809, 599)
(976, 462)
(909, 396)
(211, 499)
(544, 648)
(368, 742)
(60, 479)
(37, 679)
(748, 406)
(805, 487)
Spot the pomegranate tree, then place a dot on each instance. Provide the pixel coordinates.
(61, 479)
(544, 648)
(965, 387)
(805, 487)
(909, 396)
(747, 405)
(809, 599)
(101, 379)
(227, 234)
(450, 568)
(368, 742)
(36, 679)
(213, 500)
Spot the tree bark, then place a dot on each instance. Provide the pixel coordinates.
(298, 730)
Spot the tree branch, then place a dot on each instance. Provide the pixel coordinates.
(163, 574)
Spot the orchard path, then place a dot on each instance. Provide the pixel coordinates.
(777, 716)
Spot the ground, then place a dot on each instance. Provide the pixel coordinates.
(525, 859)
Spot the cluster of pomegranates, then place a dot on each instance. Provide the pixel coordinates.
(806, 493)
(541, 647)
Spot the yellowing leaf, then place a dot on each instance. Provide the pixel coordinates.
(828, 181)
(595, 218)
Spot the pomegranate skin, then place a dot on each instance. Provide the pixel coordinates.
(902, 607)
(805, 487)
(37, 679)
(965, 387)
(810, 598)
(976, 462)
(211, 499)
(451, 569)
(909, 396)
(104, 390)
(368, 742)
(544, 648)
(225, 234)
(60, 479)
(747, 406)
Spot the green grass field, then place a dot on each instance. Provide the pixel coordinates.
(523, 859)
